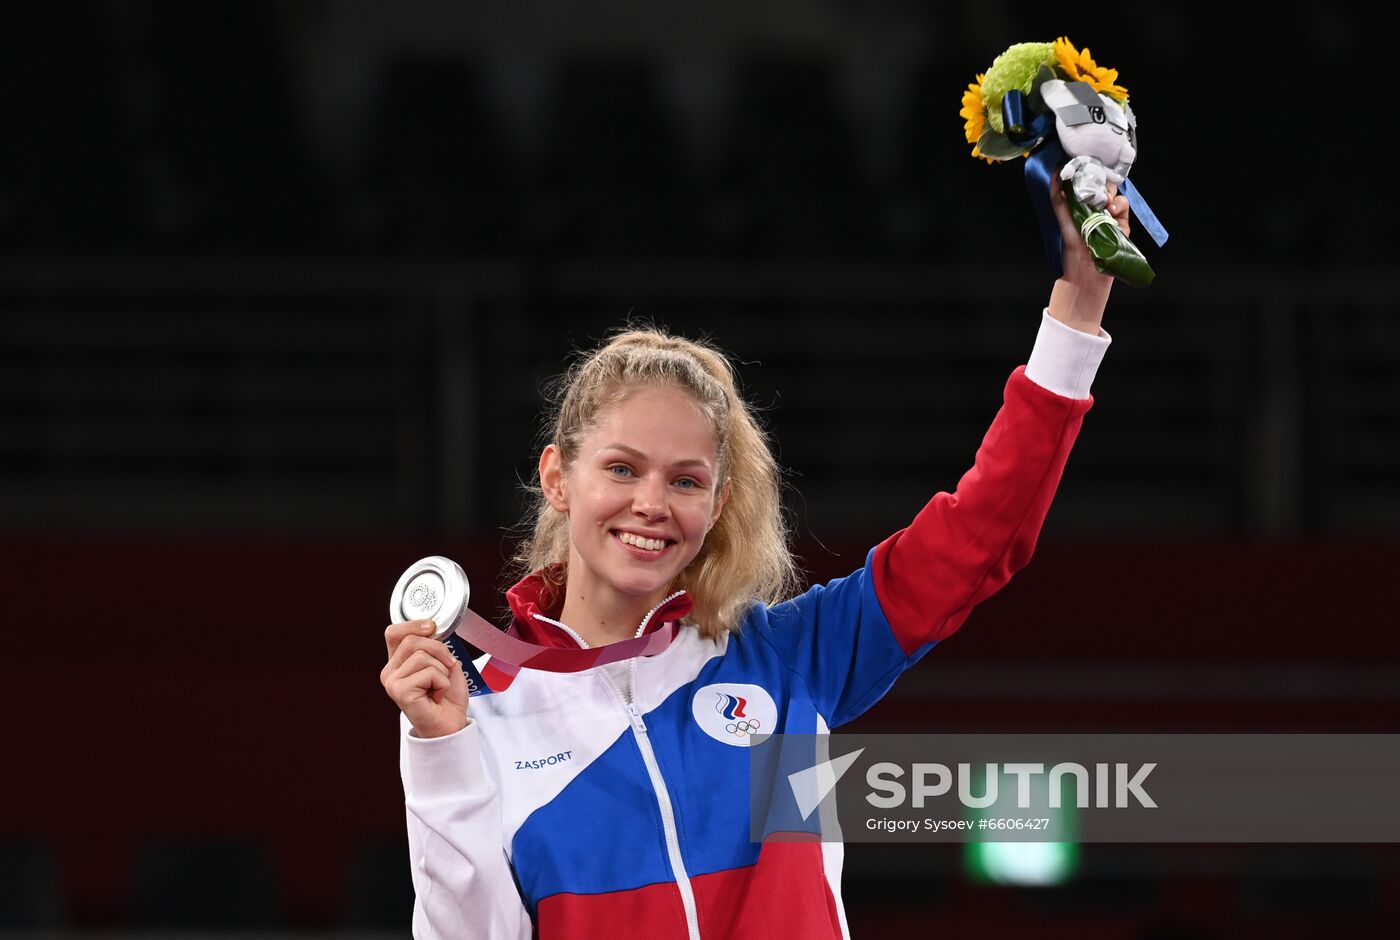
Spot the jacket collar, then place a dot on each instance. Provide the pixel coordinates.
(541, 595)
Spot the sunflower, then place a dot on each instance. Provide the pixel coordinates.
(974, 114)
(974, 111)
(1079, 66)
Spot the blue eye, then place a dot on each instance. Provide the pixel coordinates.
(620, 470)
(686, 483)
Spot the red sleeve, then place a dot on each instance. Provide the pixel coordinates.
(963, 546)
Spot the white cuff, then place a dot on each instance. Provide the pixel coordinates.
(448, 764)
(1064, 359)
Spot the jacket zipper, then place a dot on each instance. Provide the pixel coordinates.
(658, 785)
(668, 817)
(641, 628)
(664, 601)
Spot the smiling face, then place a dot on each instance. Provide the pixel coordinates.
(641, 495)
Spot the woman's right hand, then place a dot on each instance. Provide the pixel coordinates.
(424, 679)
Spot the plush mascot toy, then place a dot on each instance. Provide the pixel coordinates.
(1050, 103)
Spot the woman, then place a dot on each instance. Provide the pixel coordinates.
(614, 800)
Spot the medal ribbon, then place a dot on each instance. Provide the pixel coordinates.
(509, 653)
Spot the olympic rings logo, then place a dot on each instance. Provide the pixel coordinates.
(422, 597)
(735, 714)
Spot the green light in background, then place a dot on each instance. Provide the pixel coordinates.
(1041, 864)
(1031, 864)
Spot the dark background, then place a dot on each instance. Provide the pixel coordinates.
(281, 285)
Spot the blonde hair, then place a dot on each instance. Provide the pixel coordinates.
(745, 556)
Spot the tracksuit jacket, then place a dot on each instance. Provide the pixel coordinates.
(614, 802)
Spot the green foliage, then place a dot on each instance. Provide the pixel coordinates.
(1014, 68)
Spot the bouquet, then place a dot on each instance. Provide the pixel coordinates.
(1051, 104)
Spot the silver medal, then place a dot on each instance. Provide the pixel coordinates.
(435, 589)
